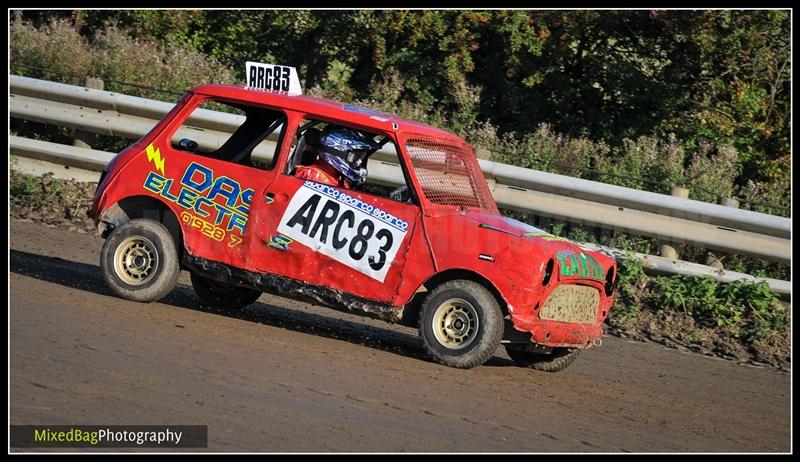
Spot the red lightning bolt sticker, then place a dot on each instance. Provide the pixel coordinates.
(154, 156)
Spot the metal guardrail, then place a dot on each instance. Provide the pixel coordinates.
(661, 265)
(645, 201)
(544, 194)
(124, 115)
(95, 161)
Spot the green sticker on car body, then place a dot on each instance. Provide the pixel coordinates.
(580, 265)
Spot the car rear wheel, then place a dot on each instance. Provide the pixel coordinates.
(461, 324)
(139, 261)
(221, 295)
(556, 360)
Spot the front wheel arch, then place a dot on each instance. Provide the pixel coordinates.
(412, 308)
(460, 324)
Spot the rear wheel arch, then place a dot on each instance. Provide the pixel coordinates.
(133, 207)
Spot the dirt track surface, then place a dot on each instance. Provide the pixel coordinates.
(285, 376)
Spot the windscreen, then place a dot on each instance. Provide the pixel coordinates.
(449, 174)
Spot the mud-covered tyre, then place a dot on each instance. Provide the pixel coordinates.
(139, 261)
(223, 296)
(555, 361)
(460, 324)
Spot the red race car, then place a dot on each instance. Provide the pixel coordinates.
(267, 191)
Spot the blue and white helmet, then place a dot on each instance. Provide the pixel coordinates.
(346, 150)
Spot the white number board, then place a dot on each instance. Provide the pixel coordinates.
(273, 77)
(334, 223)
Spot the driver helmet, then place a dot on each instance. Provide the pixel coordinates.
(346, 150)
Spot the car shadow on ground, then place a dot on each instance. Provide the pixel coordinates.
(86, 277)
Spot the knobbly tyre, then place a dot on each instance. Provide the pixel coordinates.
(420, 243)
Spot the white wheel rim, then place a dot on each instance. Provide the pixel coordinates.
(136, 261)
(455, 323)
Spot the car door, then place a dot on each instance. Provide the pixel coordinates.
(214, 200)
(209, 176)
(346, 240)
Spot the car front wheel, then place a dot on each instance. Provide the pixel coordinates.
(461, 324)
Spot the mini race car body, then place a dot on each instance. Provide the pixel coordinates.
(219, 198)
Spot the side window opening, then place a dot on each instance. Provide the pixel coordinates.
(304, 147)
(233, 132)
(381, 162)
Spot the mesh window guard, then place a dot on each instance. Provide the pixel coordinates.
(449, 174)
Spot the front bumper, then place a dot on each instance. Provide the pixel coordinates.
(570, 315)
(559, 333)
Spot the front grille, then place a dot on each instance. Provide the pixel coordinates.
(571, 303)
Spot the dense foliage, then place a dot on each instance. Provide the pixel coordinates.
(708, 90)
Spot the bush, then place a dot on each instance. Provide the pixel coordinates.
(548, 151)
(712, 174)
(49, 198)
(120, 58)
(58, 52)
(632, 288)
(646, 163)
(748, 311)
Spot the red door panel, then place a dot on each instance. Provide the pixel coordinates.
(350, 241)
(210, 198)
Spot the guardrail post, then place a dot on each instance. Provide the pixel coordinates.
(728, 201)
(481, 153)
(713, 260)
(667, 251)
(84, 139)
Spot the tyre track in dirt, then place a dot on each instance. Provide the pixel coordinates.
(288, 376)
